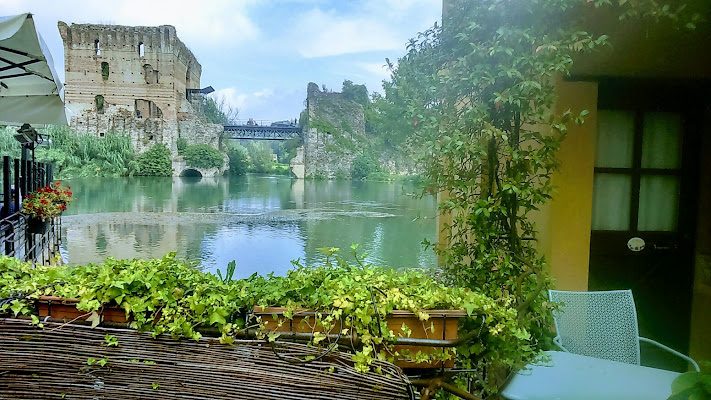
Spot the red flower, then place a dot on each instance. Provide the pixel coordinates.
(43, 201)
(58, 183)
(69, 187)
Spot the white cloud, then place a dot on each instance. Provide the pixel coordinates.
(232, 97)
(264, 93)
(250, 105)
(208, 23)
(376, 70)
(324, 34)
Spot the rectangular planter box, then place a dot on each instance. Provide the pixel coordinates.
(445, 322)
(66, 309)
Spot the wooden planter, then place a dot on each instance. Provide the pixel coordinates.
(66, 309)
(445, 323)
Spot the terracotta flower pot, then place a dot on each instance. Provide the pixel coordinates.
(66, 309)
(444, 322)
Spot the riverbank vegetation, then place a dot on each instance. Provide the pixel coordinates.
(76, 155)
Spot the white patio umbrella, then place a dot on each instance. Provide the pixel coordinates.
(29, 86)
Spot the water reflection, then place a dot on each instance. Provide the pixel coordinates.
(263, 222)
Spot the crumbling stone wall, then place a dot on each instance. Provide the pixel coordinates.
(132, 80)
(334, 134)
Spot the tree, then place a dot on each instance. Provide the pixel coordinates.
(239, 160)
(353, 92)
(261, 157)
(217, 110)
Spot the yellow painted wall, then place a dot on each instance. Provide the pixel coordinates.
(565, 223)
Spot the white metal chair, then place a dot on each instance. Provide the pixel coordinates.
(601, 325)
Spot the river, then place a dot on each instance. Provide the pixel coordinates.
(261, 222)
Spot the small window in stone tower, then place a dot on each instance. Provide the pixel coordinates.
(148, 74)
(97, 48)
(141, 49)
(105, 70)
(99, 100)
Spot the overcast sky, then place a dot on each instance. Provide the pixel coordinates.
(260, 54)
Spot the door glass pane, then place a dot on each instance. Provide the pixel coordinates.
(661, 140)
(658, 203)
(611, 202)
(615, 139)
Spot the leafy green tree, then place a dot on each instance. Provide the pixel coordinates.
(217, 110)
(155, 162)
(354, 92)
(239, 160)
(203, 156)
(261, 157)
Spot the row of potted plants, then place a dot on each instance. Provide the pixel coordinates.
(336, 298)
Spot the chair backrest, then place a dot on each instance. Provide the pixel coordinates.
(598, 324)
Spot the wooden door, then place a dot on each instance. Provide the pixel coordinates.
(644, 202)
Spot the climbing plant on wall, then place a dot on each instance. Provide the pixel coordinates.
(479, 91)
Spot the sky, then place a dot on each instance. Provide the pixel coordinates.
(259, 55)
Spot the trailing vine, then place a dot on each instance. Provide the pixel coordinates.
(167, 296)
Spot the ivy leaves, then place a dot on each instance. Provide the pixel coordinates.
(348, 296)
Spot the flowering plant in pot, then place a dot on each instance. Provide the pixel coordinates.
(45, 204)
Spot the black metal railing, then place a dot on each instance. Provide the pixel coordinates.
(19, 178)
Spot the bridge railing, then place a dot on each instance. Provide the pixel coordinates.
(266, 122)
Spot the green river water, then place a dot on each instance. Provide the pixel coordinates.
(262, 222)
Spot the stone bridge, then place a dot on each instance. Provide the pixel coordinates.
(181, 168)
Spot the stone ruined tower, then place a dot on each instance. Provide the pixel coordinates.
(133, 80)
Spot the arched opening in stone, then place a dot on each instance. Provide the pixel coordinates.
(99, 102)
(150, 74)
(104, 70)
(141, 49)
(190, 173)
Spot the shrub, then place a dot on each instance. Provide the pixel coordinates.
(203, 156)
(239, 161)
(181, 144)
(155, 162)
(363, 166)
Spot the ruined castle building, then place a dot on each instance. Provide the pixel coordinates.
(132, 80)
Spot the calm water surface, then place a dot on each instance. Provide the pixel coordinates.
(262, 222)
